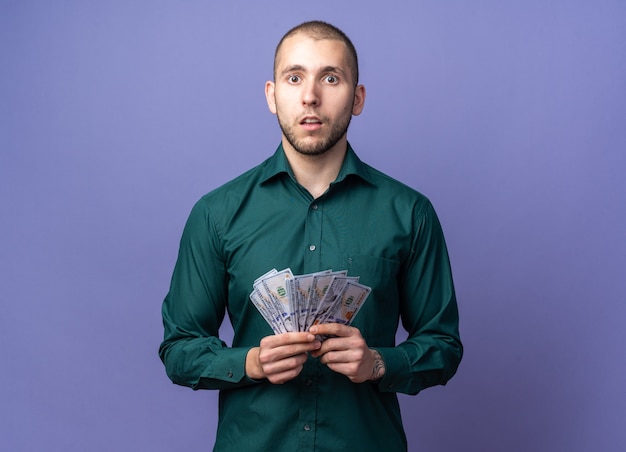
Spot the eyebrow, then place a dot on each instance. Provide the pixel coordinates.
(299, 67)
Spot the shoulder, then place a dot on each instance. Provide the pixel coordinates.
(214, 208)
(396, 191)
(233, 192)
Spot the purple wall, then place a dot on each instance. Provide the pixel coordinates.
(115, 117)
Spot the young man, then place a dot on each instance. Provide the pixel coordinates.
(312, 206)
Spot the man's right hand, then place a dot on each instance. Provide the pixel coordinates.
(280, 357)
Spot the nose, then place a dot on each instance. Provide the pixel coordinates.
(310, 94)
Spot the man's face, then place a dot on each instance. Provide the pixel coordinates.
(313, 95)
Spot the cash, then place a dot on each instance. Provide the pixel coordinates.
(291, 302)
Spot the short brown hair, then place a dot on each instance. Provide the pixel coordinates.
(319, 30)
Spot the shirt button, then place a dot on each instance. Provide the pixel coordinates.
(309, 382)
(312, 248)
(307, 427)
(314, 207)
(230, 375)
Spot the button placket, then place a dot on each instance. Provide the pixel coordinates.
(313, 236)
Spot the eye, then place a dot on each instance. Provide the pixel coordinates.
(331, 79)
(293, 79)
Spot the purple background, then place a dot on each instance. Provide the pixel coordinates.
(116, 116)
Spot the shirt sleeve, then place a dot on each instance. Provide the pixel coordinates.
(194, 309)
(432, 352)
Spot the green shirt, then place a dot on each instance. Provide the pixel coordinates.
(366, 223)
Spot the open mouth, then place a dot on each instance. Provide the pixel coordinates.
(311, 123)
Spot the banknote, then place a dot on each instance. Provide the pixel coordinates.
(262, 300)
(348, 303)
(331, 294)
(273, 271)
(300, 292)
(276, 287)
(319, 286)
(291, 302)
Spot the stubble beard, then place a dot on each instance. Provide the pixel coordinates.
(337, 131)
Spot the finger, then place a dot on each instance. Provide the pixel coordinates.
(341, 356)
(350, 369)
(335, 344)
(284, 376)
(272, 352)
(277, 340)
(333, 329)
(329, 345)
(355, 370)
(288, 364)
(338, 343)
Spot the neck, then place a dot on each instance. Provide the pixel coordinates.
(316, 172)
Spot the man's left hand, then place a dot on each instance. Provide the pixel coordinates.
(346, 352)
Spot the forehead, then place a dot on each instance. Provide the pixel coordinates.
(303, 50)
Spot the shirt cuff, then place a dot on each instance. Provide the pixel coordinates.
(229, 366)
(396, 369)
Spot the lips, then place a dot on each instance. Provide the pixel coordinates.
(310, 120)
(311, 123)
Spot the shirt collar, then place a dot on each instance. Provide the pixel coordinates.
(352, 166)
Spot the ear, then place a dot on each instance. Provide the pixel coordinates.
(359, 100)
(269, 96)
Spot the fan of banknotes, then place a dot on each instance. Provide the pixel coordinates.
(291, 302)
